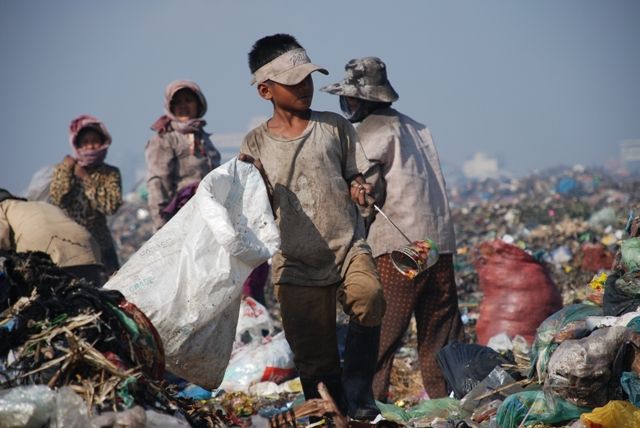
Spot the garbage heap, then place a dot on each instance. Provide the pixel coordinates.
(568, 219)
(581, 367)
(75, 355)
(131, 226)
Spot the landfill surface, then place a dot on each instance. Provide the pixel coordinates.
(572, 221)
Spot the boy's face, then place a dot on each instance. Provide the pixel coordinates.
(290, 98)
(184, 105)
(89, 140)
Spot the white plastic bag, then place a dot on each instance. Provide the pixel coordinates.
(254, 322)
(269, 360)
(40, 183)
(35, 406)
(188, 277)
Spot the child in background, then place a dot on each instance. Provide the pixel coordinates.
(180, 154)
(311, 162)
(86, 188)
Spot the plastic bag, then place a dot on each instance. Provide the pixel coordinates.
(630, 250)
(188, 277)
(602, 218)
(254, 322)
(630, 382)
(580, 370)
(616, 414)
(464, 365)
(425, 411)
(536, 406)
(621, 293)
(497, 385)
(501, 343)
(269, 360)
(38, 189)
(35, 406)
(522, 353)
(544, 346)
(634, 324)
(518, 292)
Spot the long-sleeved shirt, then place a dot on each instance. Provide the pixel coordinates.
(173, 162)
(408, 182)
(88, 201)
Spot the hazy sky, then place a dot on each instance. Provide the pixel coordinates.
(533, 83)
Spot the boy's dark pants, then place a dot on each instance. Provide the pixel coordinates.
(432, 298)
(309, 320)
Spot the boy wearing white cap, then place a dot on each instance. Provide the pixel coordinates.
(311, 162)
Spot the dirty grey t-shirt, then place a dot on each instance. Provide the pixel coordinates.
(320, 227)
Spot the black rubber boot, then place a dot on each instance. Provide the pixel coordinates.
(360, 357)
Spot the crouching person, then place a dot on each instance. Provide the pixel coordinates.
(39, 226)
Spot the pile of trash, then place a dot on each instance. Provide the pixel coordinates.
(75, 355)
(131, 226)
(568, 219)
(560, 247)
(581, 368)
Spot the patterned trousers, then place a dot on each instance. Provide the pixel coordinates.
(432, 298)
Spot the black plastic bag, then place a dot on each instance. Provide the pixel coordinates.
(621, 294)
(464, 365)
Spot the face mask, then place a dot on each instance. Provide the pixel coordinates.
(356, 115)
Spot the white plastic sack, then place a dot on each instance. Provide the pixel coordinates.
(188, 277)
(40, 183)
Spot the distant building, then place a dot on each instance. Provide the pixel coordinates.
(630, 155)
(481, 167)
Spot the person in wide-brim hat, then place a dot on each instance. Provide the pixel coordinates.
(409, 186)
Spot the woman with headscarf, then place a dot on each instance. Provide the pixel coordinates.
(181, 152)
(87, 188)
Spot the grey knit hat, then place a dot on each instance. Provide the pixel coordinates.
(366, 79)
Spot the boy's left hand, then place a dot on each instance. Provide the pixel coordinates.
(256, 162)
(360, 192)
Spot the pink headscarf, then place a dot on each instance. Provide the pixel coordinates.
(90, 157)
(169, 121)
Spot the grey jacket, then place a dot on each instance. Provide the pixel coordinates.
(174, 161)
(408, 182)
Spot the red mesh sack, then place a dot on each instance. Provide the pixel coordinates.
(518, 292)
